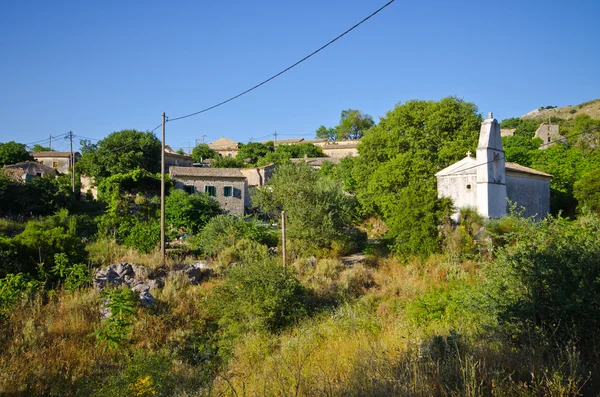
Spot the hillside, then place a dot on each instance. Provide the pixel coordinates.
(591, 108)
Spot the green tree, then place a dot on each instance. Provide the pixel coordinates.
(394, 175)
(587, 190)
(203, 152)
(353, 125)
(253, 151)
(120, 152)
(40, 148)
(189, 212)
(13, 152)
(318, 209)
(520, 150)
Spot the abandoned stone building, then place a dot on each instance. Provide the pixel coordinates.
(486, 182)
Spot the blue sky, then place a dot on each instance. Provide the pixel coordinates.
(96, 67)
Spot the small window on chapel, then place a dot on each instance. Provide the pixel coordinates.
(469, 186)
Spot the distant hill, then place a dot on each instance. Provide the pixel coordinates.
(591, 108)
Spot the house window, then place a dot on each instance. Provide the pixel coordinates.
(55, 164)
(228, 191)
(189, 189)
(210, 190)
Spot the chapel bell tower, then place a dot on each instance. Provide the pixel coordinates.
(491, 173)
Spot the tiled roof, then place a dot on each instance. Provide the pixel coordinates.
(26, 166)
(53, 154)
(514, 167)
(206, 172)
(223, 144)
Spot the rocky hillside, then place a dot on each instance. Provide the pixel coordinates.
(591, 108)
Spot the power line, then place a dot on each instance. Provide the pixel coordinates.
(286, 69)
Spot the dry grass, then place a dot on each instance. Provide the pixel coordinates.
(591, 108)
(107, 252)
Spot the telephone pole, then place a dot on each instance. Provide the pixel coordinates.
(283, 236)
(275, 136)
(72, 162)
(162, 194)
(50, 142)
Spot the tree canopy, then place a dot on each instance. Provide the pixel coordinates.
(394, 177)
(39, 148)
(203, 152)
(12, 153)
(120, 152)
(353, 125)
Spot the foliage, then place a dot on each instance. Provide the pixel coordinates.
(74, 275)
(116, 328)
(13, 287)
(243, 252)
(188, 213)
(519, 149)
(119, 153)
(260, 297)
(227, 162)
(35, 248)
(525, 128)
(251, 152)
(353, 125)
(40, 196)
(317, 208)
(143, 236)
(546, 281)
(587, 190)
(202, 152)
(13, 152)
(394, 176)
(39, 148)
(223, 231)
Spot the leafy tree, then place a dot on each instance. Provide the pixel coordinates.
(318, 209)
(395, 174)
(253, 151)
(40, 196)
(227, 162)
(520, 150)
(523, 127)
(189, 212)
(120, 152)
(13, 152)
(587, 190)
(353, 125)
(40, 148)
(203, 152)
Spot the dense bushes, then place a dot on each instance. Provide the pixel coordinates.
(547, 280)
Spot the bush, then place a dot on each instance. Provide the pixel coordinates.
(13, 287)
(143, 236)
(188, 213)
(260, 297)
(547, 280)
(244, 252)
(223, 231)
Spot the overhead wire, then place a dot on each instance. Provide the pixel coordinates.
(286, 69)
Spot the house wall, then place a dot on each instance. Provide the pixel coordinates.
(177, 160)
(233, 204)
(462, 189)
(340, 151)
(256, 177)
(529, 191)
(63, 163)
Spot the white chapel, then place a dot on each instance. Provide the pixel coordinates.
(486, 181)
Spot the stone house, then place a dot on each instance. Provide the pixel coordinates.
(27, 170)
(61, 161)
(225, 147)
(229, 186)
(549, 134)
(486, 182)
(172, 158)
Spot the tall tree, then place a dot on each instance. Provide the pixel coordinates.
(39, 148)
(203, 152)
(253, 151)
(353, 125)
(395, 174)
(119, 153)
(12, 153)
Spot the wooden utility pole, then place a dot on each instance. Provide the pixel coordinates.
(72, 163)
(50, 142)
(162, 194)
(283, 235)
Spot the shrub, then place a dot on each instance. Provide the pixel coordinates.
(261, 297)
(116, 328)
(188, 213)
(143, 236)
(548, 279)
(74, 275)
(244, 252)
(13, 287)
(223, 231)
